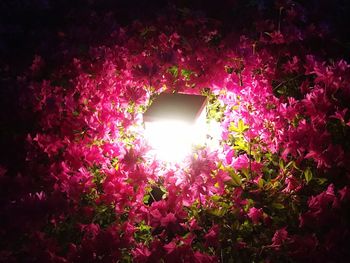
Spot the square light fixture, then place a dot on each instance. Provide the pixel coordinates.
(174, 123)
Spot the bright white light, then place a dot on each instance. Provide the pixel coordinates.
(172, 141)
(214, 131)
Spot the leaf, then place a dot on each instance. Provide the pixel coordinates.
(241, 126)
(236, 179)
(281, 164)
(277, 205)
(233, 127)
(186, 73)
(308, 175)
(276, 185)
(296, 167)
(144, 227)
(174, 71)
(290, 163)
(219, 212)
(321, 181)
(240, 144)
(146, 199)
(216, 198)
(261, 183)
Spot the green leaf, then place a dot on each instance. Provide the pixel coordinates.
(186, 73)
(236, 179)
(281, 164)
(276, 185)
(233, 127)
(146, 199)
(261, 183)
(241, 126)
(321, 181)
(174, 71)
(290, 163)
(219, 212)
(144, 227)
(277, 205)
(240, 144)
(216, 198)
(308, 175)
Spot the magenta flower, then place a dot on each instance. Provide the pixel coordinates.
(211, 238)
(279, 238)
(168, 219)
(86, 187)
(141, 253)
(255, 214)
(293, 185)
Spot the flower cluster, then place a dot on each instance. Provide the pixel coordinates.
(275, 189)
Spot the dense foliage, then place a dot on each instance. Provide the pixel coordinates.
(275, 190)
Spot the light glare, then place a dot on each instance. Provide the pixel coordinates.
(171, 140)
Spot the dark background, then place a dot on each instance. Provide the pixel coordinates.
(31, 26)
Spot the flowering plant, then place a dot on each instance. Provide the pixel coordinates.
(275, 189)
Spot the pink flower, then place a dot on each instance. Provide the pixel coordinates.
(241, 162)
(340, 115)
(170, 247)
(90, 230)
(141, 253)
(204, 258)
(320, 208)
(193, 225)
(277, 37)
(292, 65)
(292, 184)
(211, 238)
(229, 156)
(279, 237)
(255, 214)
(168, 219)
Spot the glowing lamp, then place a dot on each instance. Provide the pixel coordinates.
(174, 123)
